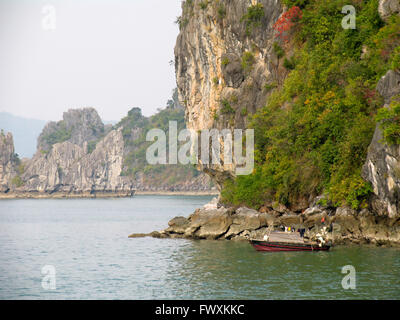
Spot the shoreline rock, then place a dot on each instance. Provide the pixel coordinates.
(348, 226)
(98, 194)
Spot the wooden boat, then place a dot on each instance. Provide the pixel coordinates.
(282, 246)
(283, 241)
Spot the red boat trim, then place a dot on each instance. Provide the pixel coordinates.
(268, 246)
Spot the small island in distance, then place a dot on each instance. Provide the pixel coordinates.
(81, 157)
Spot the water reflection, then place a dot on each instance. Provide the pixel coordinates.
(226, 270)
(86, 240)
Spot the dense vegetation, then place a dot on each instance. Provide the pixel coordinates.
(135, 127)
(60, 135)
(389, 119)
(312, 136)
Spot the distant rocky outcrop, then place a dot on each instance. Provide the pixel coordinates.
(70, 169)
(25, 132)
(79, 126)
(80, 157)
(8, 162)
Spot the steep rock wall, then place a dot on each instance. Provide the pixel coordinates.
(382, 167)
(70, 168)
(223, 65)
(79, 126)
(80, 157)
(7, 161)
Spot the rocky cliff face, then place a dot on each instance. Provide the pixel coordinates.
(388, 7)
(78, 126)
(212, 72)
(224, 63)
(8, 161)
(79, 156)
(69, 168)
(214, 222)
(382, 167)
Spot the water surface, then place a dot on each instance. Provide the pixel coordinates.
(86, 240)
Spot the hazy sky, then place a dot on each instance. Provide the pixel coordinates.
(109, 54)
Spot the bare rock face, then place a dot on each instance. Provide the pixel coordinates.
(68, 168)
(389, 85)
(388, 7)
(80, 157)
(45, 172)
(100, 171)
(64, 164)
(345, 224)
(7, 161)
(79, 126)
(382, 167)
(219, 59)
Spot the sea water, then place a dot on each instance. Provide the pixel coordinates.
(79, 249)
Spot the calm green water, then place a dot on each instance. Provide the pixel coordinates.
(87, 243)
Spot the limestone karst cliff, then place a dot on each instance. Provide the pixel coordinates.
(79, 156)
(224, 66)
(69, 168)
(232, 62)
(8, 162)
(79, 126)
(315, 94)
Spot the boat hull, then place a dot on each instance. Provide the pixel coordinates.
(267, 246)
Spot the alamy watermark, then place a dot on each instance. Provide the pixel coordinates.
(349, 21)
(349, 281)
(49, 278)
(49, 18)
(206, 147)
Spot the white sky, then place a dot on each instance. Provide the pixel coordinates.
(108, 54)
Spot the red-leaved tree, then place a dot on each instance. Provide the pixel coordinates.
(286, 22)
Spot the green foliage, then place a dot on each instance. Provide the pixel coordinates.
(248, 61)
(312, 136)
(215, 81)
(234, 98)
(91, 146)
(181, 22)
(278, 50)
(204, 4)
(16, 159)
(133, 120)
(298, 3)
(135, 160)
(225, 61)
(21, 169)
(289, 64)
(389, 119)
(395, 64)
(62, 134)
(221, 11)
(253, 17)
(270, 86)
(215, 115)
(17, 181)
(226, 107)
